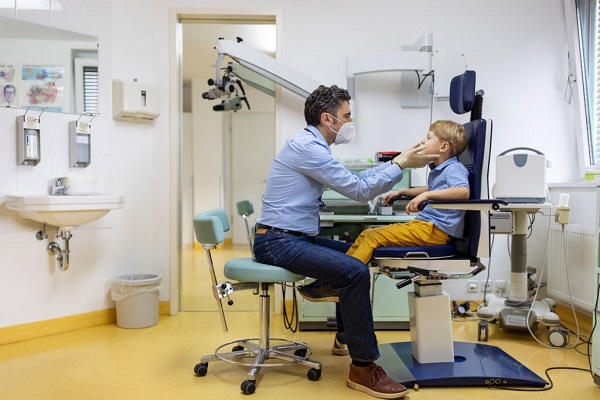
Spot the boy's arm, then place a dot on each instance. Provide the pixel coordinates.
(454, 193)
(412, 192)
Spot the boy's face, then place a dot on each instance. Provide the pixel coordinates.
(433, 144)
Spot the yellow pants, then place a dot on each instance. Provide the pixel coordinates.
(413, 233)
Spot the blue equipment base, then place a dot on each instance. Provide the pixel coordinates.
(474, 364)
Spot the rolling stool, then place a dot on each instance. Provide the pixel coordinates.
(210, 228)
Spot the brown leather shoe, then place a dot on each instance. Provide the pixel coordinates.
(373, 380)
(340, 348)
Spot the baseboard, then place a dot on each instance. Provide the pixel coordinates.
(33, 330)
(584, 321)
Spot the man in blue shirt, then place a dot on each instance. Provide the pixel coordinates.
(289, 222)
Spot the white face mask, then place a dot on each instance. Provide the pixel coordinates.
(346, 133)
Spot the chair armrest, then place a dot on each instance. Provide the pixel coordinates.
(481, 204)
(474, 205)
(397, 198)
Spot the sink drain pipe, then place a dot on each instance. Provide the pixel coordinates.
(62, 254)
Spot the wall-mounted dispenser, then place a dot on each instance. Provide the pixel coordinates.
(80, 142)
(28, 139)
(135, 102)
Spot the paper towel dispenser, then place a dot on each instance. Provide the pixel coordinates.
(135, 102)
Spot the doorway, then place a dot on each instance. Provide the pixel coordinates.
(224, 155)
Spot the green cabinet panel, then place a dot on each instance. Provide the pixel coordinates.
(390, 308)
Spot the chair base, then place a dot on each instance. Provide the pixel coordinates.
(249, 353)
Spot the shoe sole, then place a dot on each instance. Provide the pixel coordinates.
(330, 299)
(339, 352)
(364, 389)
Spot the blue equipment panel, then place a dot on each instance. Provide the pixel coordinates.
(474, 364)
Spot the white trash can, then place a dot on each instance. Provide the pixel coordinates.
(136, 297)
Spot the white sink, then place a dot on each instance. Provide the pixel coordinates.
(64, 212)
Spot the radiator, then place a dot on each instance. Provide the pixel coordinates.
(578, 242)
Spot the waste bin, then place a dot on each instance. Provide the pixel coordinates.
(136, 297)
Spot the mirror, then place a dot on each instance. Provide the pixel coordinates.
(49, 68)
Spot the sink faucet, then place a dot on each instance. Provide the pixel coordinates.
(58, 186)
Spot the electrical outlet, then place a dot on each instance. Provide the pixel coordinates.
(500, 286)
(472, 286)
(484, 288)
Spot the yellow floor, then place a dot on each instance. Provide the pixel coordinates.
(109, 362)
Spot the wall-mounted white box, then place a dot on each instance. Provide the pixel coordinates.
(135, 102)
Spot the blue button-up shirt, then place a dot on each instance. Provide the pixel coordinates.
(451, 173)
(301, 172)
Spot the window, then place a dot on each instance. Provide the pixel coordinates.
(86, 85)
(588, 16)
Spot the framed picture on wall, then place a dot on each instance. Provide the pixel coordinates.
(8, 86)
(42, 86)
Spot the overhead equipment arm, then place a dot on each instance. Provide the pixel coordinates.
(259, 63)
(254, 66)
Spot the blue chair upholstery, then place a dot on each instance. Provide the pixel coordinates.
(210, 228)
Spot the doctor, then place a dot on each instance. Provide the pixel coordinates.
(288, 226)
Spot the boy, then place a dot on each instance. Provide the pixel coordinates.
(448, 180)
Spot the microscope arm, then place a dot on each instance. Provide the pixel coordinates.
(261, 64)
(418, 57)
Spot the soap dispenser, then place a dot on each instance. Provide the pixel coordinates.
(28, 139)
(80, 143)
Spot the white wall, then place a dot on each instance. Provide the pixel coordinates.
(133, 239)
(518, 49)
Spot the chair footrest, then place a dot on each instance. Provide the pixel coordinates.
(249, 353)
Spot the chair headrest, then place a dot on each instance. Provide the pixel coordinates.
(245, 207)
(210, 226)
(462, 92)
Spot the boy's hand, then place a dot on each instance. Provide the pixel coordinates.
(413, 205)
(388, 197)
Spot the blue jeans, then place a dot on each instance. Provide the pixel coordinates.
(325, 260)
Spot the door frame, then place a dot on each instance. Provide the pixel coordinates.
(175, 109)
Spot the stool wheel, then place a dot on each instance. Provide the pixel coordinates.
(313, 374)
(237, 348)
(248, 387)
(201, 369)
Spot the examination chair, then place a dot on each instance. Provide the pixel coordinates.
(210, 228)
(427, 266)
(432, 358)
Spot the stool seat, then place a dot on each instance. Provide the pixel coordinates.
(246, 269)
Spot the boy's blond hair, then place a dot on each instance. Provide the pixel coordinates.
(451, 132)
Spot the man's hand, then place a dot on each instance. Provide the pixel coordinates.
(410, 158)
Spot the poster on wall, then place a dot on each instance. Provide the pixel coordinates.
(42, 86)
(8, 86)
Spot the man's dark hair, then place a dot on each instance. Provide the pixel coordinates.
(324, 99)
